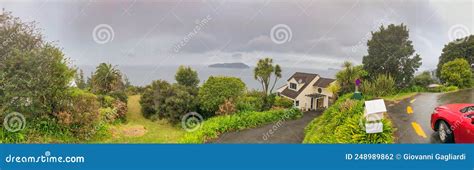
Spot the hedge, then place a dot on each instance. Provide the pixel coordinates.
(215, 126)
(344, 122)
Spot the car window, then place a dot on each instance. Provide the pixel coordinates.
(467, 109)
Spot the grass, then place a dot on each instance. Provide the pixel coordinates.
(400, 96)
(138, 129)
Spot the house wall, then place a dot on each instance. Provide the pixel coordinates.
(305, 101)
(298, 86)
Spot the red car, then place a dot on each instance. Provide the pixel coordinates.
(454, 123)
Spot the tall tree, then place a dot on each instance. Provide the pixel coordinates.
(390, 52)
(79, 79)
(461, 48)
(264, 72)
(186, 76)
(34, 75)
(106, 79)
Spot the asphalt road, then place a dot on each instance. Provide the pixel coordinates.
(289, 131)
(412, 116)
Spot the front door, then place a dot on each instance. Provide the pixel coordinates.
(312, 101)
(319, 102)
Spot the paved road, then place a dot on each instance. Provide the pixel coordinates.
(412, 116)
(290, 131)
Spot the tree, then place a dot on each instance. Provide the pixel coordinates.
(79, 79)
(390, 52)
(34, 75)
(264, 72)
(424, 79)
(334, 88)
(165, 101)
(107, 79)
(218, 89)
(186, 76)
(457, 73)
(348, 75)
(461, 48)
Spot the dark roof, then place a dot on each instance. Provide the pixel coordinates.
(323, 82)
(300, 77)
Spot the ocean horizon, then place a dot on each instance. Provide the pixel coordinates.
(142, 75)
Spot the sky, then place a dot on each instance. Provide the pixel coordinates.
(307, 34)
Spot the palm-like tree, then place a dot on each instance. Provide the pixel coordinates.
(263, 73)
(107, 78)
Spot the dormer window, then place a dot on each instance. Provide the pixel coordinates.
(293, 86)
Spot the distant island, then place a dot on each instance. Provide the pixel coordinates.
(230, 65)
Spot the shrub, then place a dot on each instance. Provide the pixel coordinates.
(226, 108)
(164, 101)
(383, 85)
(424, 79)
(457, 72)
(81, 114)
(249, 103)
(216, 90)
(283, 102)
(215, 126)
(344, 122)
(121, 110)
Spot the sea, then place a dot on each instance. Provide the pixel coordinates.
(144, 74)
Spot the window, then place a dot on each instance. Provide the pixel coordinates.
(320, 90)
(293, 86)
(297, 103)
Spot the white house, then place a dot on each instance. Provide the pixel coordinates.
(308, 91)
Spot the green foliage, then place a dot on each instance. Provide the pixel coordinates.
(348, 75)
(215, 126)
(263, 73)
(165, 101)
(283, 102)
(390, 52)
(424, 79)
(250, 103)
(80, 80)
(383, 85)
(107, 79)
(186, 76)
(460, 48)
(216, 90)
(226, 108)
(443, 89)
(457, 73)
(344, 122)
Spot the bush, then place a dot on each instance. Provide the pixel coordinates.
(424, 79)
(283, 102)
(443, 89)
(344, 122)
(81, 114)
(457, 73)
(249, 103)
(216, 90)
(383, 85)
(215, 126)
(226, 108)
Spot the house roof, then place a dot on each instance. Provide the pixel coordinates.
(300, 77)
(323, 82)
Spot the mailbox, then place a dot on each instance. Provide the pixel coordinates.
(373, 113)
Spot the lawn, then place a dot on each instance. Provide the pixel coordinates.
(138, 129)
(400, 96)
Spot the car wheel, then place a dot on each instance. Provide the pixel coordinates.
(445, 133)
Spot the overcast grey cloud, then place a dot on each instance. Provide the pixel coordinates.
(324, 33)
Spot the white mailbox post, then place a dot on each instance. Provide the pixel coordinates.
(374, 110)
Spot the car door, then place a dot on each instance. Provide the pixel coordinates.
(466, 130)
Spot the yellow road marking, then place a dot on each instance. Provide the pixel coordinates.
(409, 110)
(412, 101)
(419, 131)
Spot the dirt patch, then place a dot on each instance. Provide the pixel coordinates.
(129, 131)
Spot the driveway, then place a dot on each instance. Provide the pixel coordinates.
(289, 131)
(412, 116)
